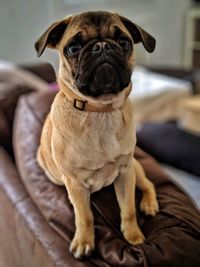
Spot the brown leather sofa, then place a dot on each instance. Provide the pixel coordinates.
(37, 220)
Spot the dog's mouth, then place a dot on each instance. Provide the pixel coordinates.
(104, 80)
(105, 77)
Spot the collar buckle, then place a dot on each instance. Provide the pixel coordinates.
(79, 104)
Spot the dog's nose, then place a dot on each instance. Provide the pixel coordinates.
(101, 46)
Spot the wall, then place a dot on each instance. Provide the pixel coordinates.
(169, 27)
(22, 22)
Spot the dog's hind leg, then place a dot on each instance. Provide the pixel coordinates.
(42, 164)
(149, 203)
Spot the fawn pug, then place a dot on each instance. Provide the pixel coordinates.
(88, 138)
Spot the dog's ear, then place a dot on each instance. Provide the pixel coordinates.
(52, 35)
(139, 35)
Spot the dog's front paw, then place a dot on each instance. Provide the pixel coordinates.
(82, 245)
(149, 204)
(134, 237)
(132, 233)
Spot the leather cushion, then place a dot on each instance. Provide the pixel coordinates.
(172, 237)
(171, 145)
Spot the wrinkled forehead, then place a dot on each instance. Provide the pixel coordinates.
(94, 25)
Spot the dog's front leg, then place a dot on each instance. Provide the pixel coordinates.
(83, 241)
(125, 192)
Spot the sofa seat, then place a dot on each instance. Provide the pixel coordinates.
(172, 236)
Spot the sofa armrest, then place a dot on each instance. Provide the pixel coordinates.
(43, 70)
(14, 83)
(26, 238)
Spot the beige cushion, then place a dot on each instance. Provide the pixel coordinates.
(189, 118)
(157, 97)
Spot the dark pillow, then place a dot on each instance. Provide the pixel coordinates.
(171, 145)
(172, 236)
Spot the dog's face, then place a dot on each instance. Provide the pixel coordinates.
(96, 51)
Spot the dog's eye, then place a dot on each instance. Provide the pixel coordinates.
(73, 48)
(124, 42)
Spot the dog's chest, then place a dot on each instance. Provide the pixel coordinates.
(97, 146)
(105, 137)
(102, 150)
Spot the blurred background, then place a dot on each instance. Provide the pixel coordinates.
(175, 25)
(166, 83)
(166, 97)
(35, 217)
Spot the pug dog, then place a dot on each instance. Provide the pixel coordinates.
(88, 138)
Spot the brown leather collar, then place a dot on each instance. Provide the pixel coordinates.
(84, 105)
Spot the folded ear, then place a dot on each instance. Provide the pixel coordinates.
(51, 36)
(139, 35)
